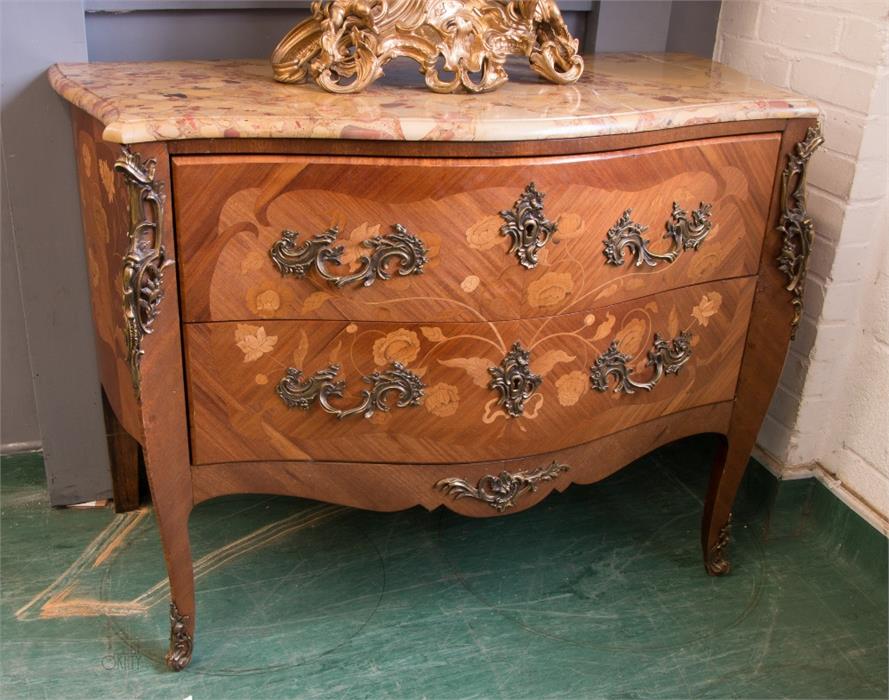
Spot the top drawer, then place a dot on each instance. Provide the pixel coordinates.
(232, 212)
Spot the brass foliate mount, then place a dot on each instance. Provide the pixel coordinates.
(797, 228)
(686, 233)
(527, 227)
(399, 250)
(715, 561)
(664, 357)
(502, 491)
(146, 257)
(181, 642)
(297, 392)
(458, 44)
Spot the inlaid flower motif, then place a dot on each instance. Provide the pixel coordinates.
(708, 306)
(267, 301)
(398, 346)
(442, 400)
(631, 336)
(485, 234)
(570, 387)
(253, 341)
(470, 284)
(550, 289)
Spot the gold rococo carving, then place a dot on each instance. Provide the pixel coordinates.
(459, 44)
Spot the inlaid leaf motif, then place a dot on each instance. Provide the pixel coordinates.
(107, 176)
(253, 341)
(607, 292)
(432, 333)
(314, 301)
(605, 327)
(548, 360)
(673, 323)
(334, 355)
(302, 348)
(356, 237)
(708, 306)
(475, 367)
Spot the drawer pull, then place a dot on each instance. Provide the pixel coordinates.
(400, 246)
(514, 380)
(500, 492)
(323, 385)
(687, 234)
(527, 227)
(665, 357)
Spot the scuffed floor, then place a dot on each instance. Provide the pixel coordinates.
(598, 592)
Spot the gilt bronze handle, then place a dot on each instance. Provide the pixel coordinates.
(399, 248)
(687, 233)
(664, 357)
(297, 392)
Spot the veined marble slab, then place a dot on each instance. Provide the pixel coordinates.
(618, 94)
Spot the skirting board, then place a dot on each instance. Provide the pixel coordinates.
(786, 472)
(13, 448)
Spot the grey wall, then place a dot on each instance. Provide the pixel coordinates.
(693, 26)
(657, 25)
(42, 224)
(18, 410)
(235, 32)
(48, 378)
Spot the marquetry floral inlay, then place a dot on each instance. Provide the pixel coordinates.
(632, 336)
(475, 367)
(442, 400)
(485, 234)
(570, 387)
(253, 341)
(398, 346)
(268, 301)
(551, 289)
(107, 176)
(470, 284)
(708, 306)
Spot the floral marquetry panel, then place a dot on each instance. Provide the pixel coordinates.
(104, 211)
(270, 238)
(235, 370)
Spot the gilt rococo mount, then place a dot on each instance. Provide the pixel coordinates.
(344, 45)
(390, 299)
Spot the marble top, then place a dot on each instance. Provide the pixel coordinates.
(617, 94)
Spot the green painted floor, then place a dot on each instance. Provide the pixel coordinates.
(598, 592)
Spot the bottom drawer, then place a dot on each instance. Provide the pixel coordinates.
(459, 392)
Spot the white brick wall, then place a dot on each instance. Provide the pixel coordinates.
(832, 405)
